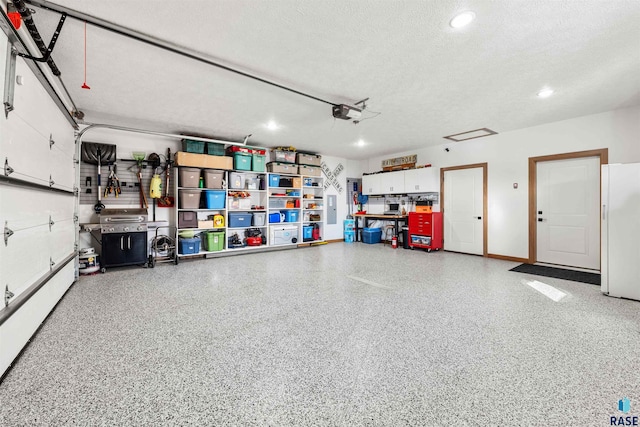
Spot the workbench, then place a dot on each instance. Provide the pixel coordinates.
(372, 217)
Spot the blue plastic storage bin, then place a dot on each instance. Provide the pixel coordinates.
(290, 216)
(371, 235)
(215, 199)
(274, 180)
(242, 161)
(274, 217)
(307, 232)
(349, 236)
(239, 219)
(189, 246)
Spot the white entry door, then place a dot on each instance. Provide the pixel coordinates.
(463, 211)
(568, 212)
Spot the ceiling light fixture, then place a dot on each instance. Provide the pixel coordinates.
(545, 93)
(272, 125)
(462, 19)
(361, 143)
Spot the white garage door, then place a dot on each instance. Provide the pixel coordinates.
(37, 210)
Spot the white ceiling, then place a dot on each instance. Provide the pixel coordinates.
(427, 79)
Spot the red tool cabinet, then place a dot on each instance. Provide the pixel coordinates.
(425, 230)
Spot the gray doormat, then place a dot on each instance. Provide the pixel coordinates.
(559, 273)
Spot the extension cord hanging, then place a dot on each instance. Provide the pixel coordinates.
(85, 85)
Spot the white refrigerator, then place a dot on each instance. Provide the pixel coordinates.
(620, 228)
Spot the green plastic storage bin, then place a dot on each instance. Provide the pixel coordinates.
(191, 146)
(215, 149)
(242, 161)
(214, 241)
(258, 162)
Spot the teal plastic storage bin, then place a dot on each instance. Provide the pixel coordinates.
(258, 162)
(215, 149)
(191, 146)
(349, 224)
(242, 161)
(290, 216)
(371, 235)
(215, 199)
(349, 236)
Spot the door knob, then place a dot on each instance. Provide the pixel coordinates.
(539, 212)
(540, 219)
(479, 217)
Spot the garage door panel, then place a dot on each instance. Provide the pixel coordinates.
(27, 152)
(59, 206)
(61, 168)
(25, 258)
(17, 330)
(63, 136)
(61, 239)
(23, 208)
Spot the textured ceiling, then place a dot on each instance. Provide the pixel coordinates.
(427, 79)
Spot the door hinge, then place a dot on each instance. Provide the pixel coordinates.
(51, 223)
(51, 181)
(76, 191)
(75, 247)
(8, 170)
(7, 233)
(51, 263)
(9, 79)
(51, 141)
(7, 295)
(75, 219)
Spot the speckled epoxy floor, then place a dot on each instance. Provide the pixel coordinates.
(286, 338)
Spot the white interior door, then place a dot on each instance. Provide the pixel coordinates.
(568, 212)
(463, 211)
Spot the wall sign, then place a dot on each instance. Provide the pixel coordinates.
(399, 161)
(332, 177)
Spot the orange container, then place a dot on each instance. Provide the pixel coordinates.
(424, 209)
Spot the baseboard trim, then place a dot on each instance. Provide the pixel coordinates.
(334, 240)
(508, 258)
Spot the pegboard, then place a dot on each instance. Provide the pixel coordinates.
(127, 173)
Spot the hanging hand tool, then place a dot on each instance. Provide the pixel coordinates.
(109, 188)
(98, 207)
(167, 201)
(118, 190)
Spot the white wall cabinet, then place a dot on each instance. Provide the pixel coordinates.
(421, 180)
(371, 184)
(410, 181)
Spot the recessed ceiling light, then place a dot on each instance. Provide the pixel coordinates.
(361, 143)
(272, 125)
(545, 93)
(462, 19)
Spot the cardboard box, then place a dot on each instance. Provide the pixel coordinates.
(203, 161)
(297, 183)
(205, 224)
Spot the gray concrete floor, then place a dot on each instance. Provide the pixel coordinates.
(336, 335)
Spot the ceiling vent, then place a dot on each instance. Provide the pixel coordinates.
(472, 134)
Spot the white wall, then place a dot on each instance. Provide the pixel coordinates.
(507, 156)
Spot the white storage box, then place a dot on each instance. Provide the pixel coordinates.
(236, 180)
(284, 235)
